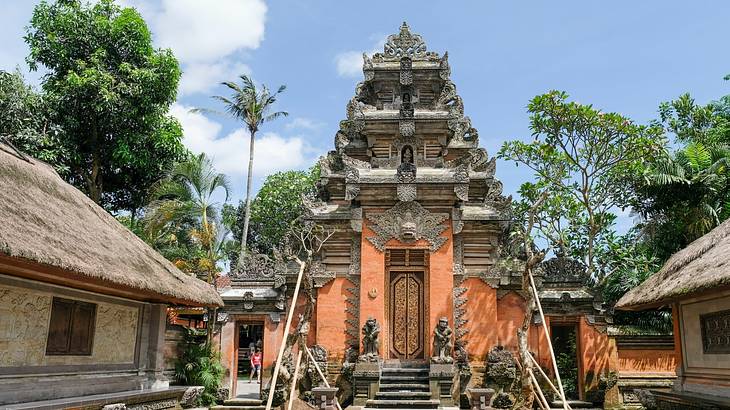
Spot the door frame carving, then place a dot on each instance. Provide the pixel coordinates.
(426, 290)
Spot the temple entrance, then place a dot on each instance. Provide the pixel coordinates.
(564, 340)
(406, 303)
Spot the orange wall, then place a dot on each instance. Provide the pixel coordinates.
(439, 277)
(331, 326)
(597, 353)
(646, 360)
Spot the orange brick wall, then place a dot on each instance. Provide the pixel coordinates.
(645, 360)
(331, 305)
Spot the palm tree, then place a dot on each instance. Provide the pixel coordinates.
(689, 190)
(253, 107)
(186, 197)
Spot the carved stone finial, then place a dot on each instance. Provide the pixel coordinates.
(370, 341)
(442, 344)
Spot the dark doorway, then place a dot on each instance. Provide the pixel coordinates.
(565, 345)
(250, 337)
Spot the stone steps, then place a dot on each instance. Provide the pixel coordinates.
(404, 387)
(240, 404)
(403, 395)
(404, 379)
(402, 404)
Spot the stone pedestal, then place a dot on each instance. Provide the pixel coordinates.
(325, 397)
(441, 379)
(366, 380)
(480, 398)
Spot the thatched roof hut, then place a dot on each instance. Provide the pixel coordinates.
(703, 265)
(52, 232)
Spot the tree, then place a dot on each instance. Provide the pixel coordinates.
(277, 204)
(253, 107)
(25, 120)
(186, 199)
(586, 155)
(682, 195)
(109, 91)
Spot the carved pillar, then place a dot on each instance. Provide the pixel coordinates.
(366, 378)
(325, 397)
(441, 381)
(480, 398)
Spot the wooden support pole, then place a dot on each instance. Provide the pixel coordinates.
(550, 343)
(294, 381)
(286, 336)
(316, 366)
(541, 397)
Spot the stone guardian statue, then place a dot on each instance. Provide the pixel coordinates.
(370, 342)
(442, 344)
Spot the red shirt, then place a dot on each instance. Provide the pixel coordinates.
(256, 359)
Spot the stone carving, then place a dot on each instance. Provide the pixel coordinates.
(564, 270)
(715, 328)
(356, 219)
(406, 73)
(456, 223)
(500, 374)
(370, 341)
(408, 222)
(406, 171)
(352, 191)
(462, 366)
(352, 322)
(355, 250)
(281, 297)
(320, 276)
(311, 377)
(442, 344)
(462, 192)
(406, 192)
(256, 266)
(444, 68)
(406, 128)
(404, 44)
(462, 130)
(248, 300)
(495, 200)
(122, 406)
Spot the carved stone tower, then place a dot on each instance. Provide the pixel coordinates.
(414, 198)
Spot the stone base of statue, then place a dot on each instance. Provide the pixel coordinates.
(325, 397)
(480, 398)
(366, 381)
(441, 378)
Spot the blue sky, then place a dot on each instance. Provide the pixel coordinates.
(624, 56)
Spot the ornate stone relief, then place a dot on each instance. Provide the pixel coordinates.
(458, 255)
(445, 69)
(462, 130)
(462, 192)
(320, 276)
(407, 128)
(564, 270)
(356, 219)
(460, 301)
(406, 192)
(355, 252)
(404, 44)
(248, 300)
(406, 72)
(408, 222)
(456, 223)
(255, 266)
(495, 200)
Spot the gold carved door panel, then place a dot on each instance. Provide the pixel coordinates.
(406, 315)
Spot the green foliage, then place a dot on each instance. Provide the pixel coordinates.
(184, 221)
(110, 91)
(567, 361)
(581, 159)
(682, 195)
(25, 120)
(277, 204)
(200, 365)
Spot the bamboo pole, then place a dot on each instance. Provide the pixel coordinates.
(316, 366)
(294, 380)
(286, 336)
(547, 379)
(550, 343)
(541, 397)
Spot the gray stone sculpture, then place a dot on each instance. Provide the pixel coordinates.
(442, 344)
(370, 342)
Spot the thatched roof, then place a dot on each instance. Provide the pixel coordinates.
(703, 265)
(47, 223)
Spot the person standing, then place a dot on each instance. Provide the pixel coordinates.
(256, 359)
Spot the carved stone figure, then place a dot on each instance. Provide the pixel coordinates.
(442, 344)
(390, 224)
(370, 341)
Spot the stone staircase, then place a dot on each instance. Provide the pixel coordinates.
(240, 404)
(403, 388)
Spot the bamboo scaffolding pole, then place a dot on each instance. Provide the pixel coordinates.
(275, 376)
(294, 381)
(316, 366)
(555, 389)
(541, 397)
(550, 343)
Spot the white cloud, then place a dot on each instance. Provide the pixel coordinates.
(301, 123)
(202, 77)
(349, 63)
(230, 151)
(207, 30)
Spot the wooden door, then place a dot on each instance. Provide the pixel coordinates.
(406, 315)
